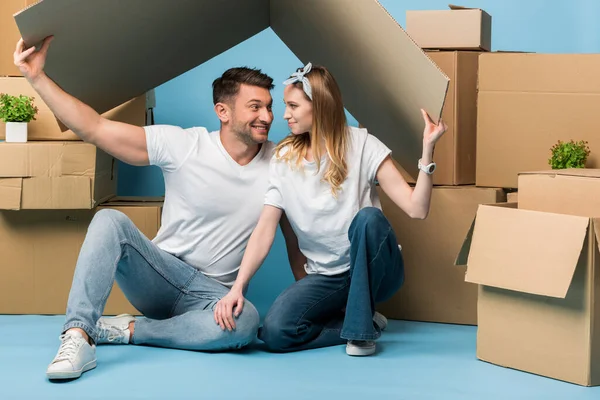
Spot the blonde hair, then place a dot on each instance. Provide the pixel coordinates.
(328, 124)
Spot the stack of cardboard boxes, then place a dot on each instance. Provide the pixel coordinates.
(434, 289)
(525, 270)
(50, 188)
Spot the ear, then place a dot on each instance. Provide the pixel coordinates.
(223, 112)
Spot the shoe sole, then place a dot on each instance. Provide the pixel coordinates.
(360, 351)
(71, 374)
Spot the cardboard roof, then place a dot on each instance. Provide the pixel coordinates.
(106, 53)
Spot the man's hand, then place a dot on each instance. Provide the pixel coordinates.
(31, 62)
(229, 306)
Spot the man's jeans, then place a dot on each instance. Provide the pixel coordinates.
(309, 314)
(176, 299)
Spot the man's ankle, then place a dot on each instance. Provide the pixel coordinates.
(131, 329)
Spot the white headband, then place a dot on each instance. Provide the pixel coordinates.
(299, 76)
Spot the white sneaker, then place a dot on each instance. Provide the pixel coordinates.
(75, 356)
(380, 320)
(114, 330)
(360, 347)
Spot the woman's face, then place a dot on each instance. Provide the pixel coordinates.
(298, 110)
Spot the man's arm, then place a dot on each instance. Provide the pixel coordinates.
(295, 256)
(123, 141)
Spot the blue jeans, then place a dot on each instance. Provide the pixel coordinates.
(175, 298)
(309, 314)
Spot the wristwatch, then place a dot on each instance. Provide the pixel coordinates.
(428, 169)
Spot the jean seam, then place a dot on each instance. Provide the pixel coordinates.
(319, 301)
(183, 291)
(380, 247)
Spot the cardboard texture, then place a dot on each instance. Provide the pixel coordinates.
(40, 250)
(9, 34)
(538, 277)
(459, 28)
(523, 112)
(384, 76)
(512, 197)
(434, 290)
(569, 191)
(55, 175)
(455, 152)
(46, 126)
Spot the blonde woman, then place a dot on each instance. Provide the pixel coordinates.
(322, 177)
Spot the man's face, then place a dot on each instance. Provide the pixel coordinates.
(252, 114)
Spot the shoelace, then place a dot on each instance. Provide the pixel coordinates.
(110, 333)
(67, 349)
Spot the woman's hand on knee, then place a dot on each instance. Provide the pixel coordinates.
(227, 308)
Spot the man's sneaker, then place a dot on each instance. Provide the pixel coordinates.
(360, 347)
(75, 356)
(114, 330)
(380, 320)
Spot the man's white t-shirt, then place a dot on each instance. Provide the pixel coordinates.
(212, 203)
(321, 221)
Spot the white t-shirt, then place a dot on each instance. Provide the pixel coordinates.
(321, 221)
(212, 203)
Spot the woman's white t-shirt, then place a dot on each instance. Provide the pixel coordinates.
(321, 221)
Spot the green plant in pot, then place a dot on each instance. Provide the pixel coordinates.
(17, 112)
(569, 154)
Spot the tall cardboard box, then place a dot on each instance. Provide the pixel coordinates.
(9, 34)
(40, 249)
(55, 175)
(434, 290)
(459, 28)
(539, 281)
(47, 127)
(527, 102)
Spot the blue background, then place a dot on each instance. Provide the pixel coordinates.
(543, 26)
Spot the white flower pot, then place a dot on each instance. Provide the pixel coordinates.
(16, 132)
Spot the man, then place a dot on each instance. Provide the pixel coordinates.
(214, 189)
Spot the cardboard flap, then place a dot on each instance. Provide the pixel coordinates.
(525, 251)
(578, 172)
(597, 231)
(463, 254)
(147, 42)
(385, 78)
(458, 8)
(10, 193)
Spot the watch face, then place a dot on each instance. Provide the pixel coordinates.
(431, 168)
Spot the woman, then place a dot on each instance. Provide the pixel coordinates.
(323, 177)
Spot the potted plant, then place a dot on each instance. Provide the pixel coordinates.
(569, 154)
(17, 112)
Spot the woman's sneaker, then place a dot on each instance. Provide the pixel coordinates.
(360, 347)
(380, 320)
(75, 356)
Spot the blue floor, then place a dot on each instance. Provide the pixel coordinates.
(415, 361)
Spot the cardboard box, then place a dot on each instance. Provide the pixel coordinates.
(40, 250)
(55, 175)
(512, 197)
(527, 102)
(385, 90)
(47, 127)
(567, 191)
(459, 28)
(539, 282)
(9, 34)
(434, 290)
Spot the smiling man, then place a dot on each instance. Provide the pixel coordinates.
(214, 190)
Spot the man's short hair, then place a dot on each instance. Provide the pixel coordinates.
(227, 86)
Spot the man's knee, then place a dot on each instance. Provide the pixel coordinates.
(109, 220)
(246, 325)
